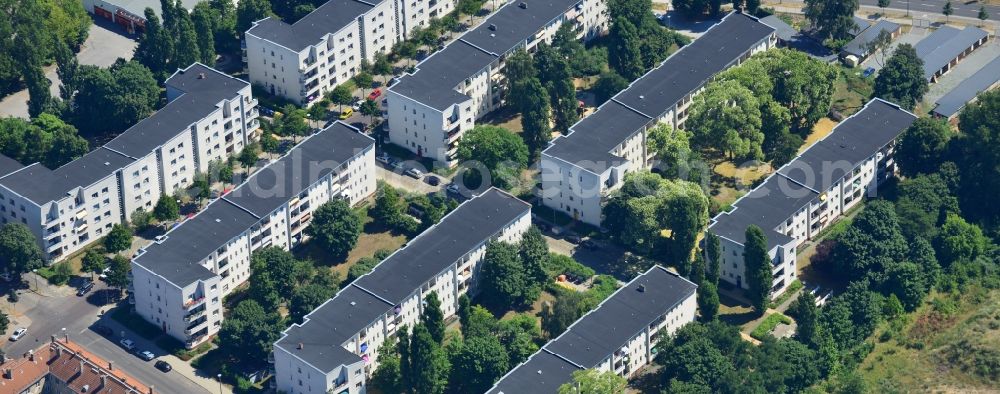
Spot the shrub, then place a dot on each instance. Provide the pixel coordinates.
(768, 325)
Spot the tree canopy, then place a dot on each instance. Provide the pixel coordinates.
(46, 139)
(110, 100)
(923, 146)
(727, 115)
(503, 153)
(335, 226)
(902, 80)
(249, 331)
(19, 248)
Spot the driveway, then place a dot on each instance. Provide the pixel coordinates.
(47, 310)
(102, 48)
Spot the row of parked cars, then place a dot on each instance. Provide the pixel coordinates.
(129, 346)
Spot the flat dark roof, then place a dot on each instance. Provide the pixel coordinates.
(178, 257)
(434, 82)
(431, 252)
(597, 335)
(327, 18)
(814, 171)
(41, 185)
(784, 31)
(944, 45)
(593, 137)
(650, 96)
(8, 165)
(542, 373)
(204, 88)
(981, 81)
(272, 186)
(319, 339)
(856, 46)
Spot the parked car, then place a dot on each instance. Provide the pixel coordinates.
(415, 173)
(107, 270)
(103, 330)
(543, 227)
(393, 81)
(18, 334)
(266, 111)
(383, 158)
(432, 180)
(868, 72)
(7, 276)
(356, 104)
(452, 188)
(395, 164)
(590, 244)
(146, 355)
(573, 239)
(346, 113)
(163, 366)
(127, 344)
(85, 289)
(375, 94)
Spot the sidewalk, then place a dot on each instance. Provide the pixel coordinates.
(915, 19)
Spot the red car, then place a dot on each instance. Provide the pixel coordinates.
(375, 94)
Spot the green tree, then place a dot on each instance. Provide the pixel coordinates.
(505, 281)
(518, 336)
(833, 19)
(67, 69)
(902, 79)
(249, 156)
(960, 241)
(923, 146)
(306, 298)
(363, 266)
(691, 8)
(341, 95)
(982, 15)
(166, 208)
(567, 307)
(500, 151)
(480, 323)
(370, 109)
(250, 11)
(608, 85)
(140, 219)
(119, 273)
(432, 317)
(479, 362)
(872, 242)
(464, 310)
(293, 122)
(186, 47)
(672, 148)
(249, 331)
(19, 248)
(535, 113)
(757, 263)
(805, 312)
(387, 377)
(363, 80)
(685, 215)
(727, 115)
(947, 10)
(268, 144)
(336, 227)
(112, 100)
(592, 381)
(978, 151)
(882, 4)
(274, 274)
(708, 301)
(94, 262)
(625, 55)
(712, 258)
(118, 239)
(156, 46)
(534, 254)
(431, 368)
(203, 18)
(555, 74)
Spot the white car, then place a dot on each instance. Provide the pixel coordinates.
(18, 334)
(127, 344)
(383, 158)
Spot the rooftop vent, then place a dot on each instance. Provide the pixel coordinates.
(217, 220)
(300, 346)
(642, 288)
(493, 27)
(523, 5)
(107, 163)
(641, 97)
(201, 75)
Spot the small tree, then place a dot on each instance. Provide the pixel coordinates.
(363, 80)
(335, 226)
(882, 4)
(983, 15)
(249, 156)
(341, 95)
(118, 276)
(19, 249)
(118, 239)
(757, 264)
(370, 109)
(382, 66)
(947, 11)
(166, 208)
(591, 381)
(432, 317)
(708, 301)
(93, 262)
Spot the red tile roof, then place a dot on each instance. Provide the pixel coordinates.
(72, 365)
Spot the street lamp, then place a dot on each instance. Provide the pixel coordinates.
(35, 271)
(220, 382)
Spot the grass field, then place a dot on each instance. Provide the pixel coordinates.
(952, 349)
(374, 237)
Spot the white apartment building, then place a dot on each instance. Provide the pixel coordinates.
(808, 194)
(619, 336)
(304, 60)
(178, 282)
(335, 349)
(579, 170)
(209, 115)
(430, 109)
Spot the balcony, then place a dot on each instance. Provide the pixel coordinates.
(195, 314)
(191, 329)
(192, 302)
(196, 338)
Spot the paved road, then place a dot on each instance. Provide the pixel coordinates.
(962, 8)
(59, 308)
(103, 47)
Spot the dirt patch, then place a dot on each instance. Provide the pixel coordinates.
(820, 130)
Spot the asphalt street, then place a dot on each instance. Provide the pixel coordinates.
(962, 8)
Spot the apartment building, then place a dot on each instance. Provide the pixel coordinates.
(808, 194)
(209, 116)
(430, 109)
(179, 281)
(619, 336)
(336, 346)
(579, 170)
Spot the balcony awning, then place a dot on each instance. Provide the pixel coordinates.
(81, 214)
